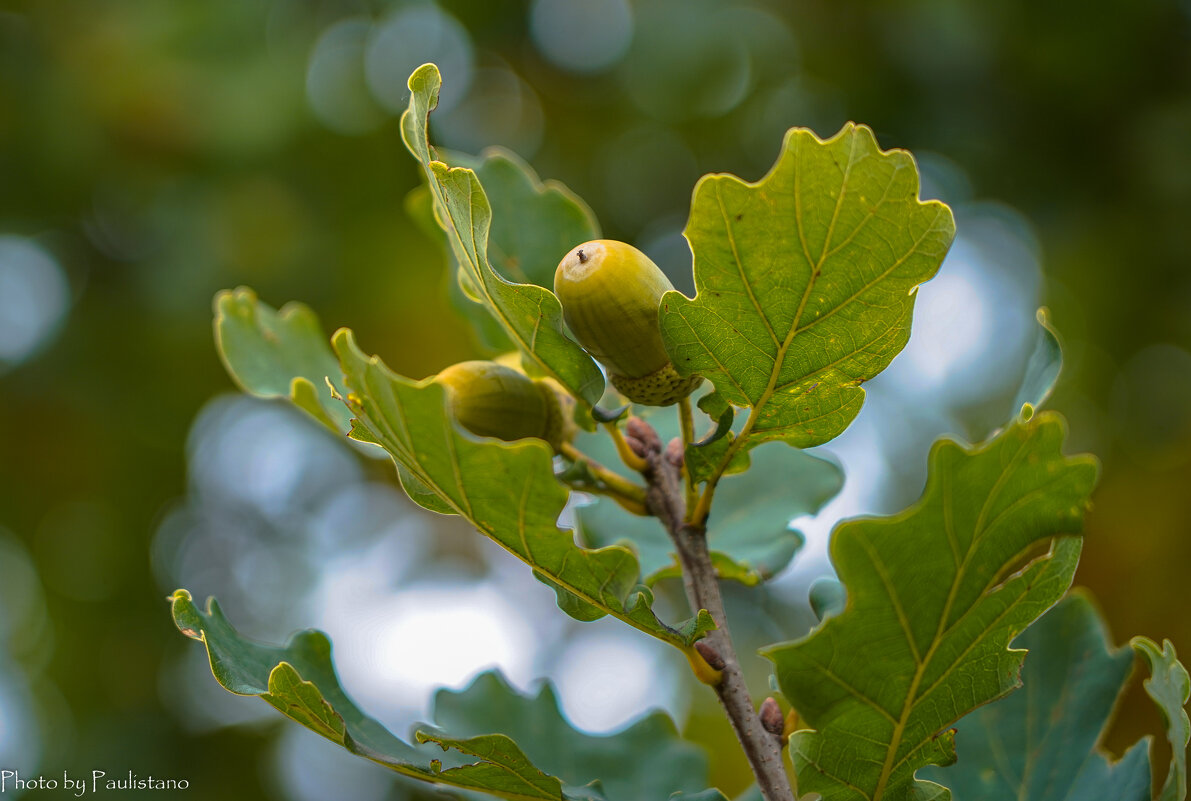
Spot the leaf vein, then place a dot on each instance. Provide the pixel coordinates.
(748, 287)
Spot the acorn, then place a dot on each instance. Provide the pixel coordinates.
(610, 293)
(491, 400)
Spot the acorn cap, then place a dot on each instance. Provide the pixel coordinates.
(610, 293)
(491, 400)
(660, 388)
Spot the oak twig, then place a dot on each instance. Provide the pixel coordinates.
(687, 418)
(665, 499)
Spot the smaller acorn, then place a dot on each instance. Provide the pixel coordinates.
(610, 294)
(491, 400)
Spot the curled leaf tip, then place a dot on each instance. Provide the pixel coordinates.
(602, 415)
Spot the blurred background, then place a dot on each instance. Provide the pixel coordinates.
(154, 153)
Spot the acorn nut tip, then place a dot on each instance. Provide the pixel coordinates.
(491, 400)
(610, 293)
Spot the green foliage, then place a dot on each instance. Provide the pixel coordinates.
(805, 282)
(934, 597)
(538, 726)
(530, 315)
(279, 354)
(714, 406)
(1170, 688)
(534, 224)
(1040, 743)
(299, 680)
(749, 535)
(507, 490)
(1042, 368)
(159, 152)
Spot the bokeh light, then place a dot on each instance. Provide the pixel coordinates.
(499, 109)
(590, 36)
(664, 243)
(410, 37)
(400, 644)
(34, 298)
(973, 322)
(645, 172)
(24, 644)
(265, 456)
(259, 474)
(305, 769)
(952, 325)
(20, 729)
(1152, 404)
(336, 86)
(688, 60)
(606, 677)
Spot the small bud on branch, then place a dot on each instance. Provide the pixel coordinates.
(641, 431)
(674, 452)
(771, 717)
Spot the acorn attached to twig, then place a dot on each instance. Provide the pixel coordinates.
(610, 293)
(492, 400)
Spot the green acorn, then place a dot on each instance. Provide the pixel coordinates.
(491, 400)
(610, 293)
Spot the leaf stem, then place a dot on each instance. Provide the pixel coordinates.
(630, 505)
(686, 416)
(631, 460)
(703, 505)
(665, 500)
(617, 487)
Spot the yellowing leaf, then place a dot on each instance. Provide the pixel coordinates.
(805, 282)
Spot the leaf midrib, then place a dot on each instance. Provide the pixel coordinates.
(920, 669)
(976, 642)
(816, 271)
(796, 327)
(748, 287)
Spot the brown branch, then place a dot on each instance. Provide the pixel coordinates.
(664, 497)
